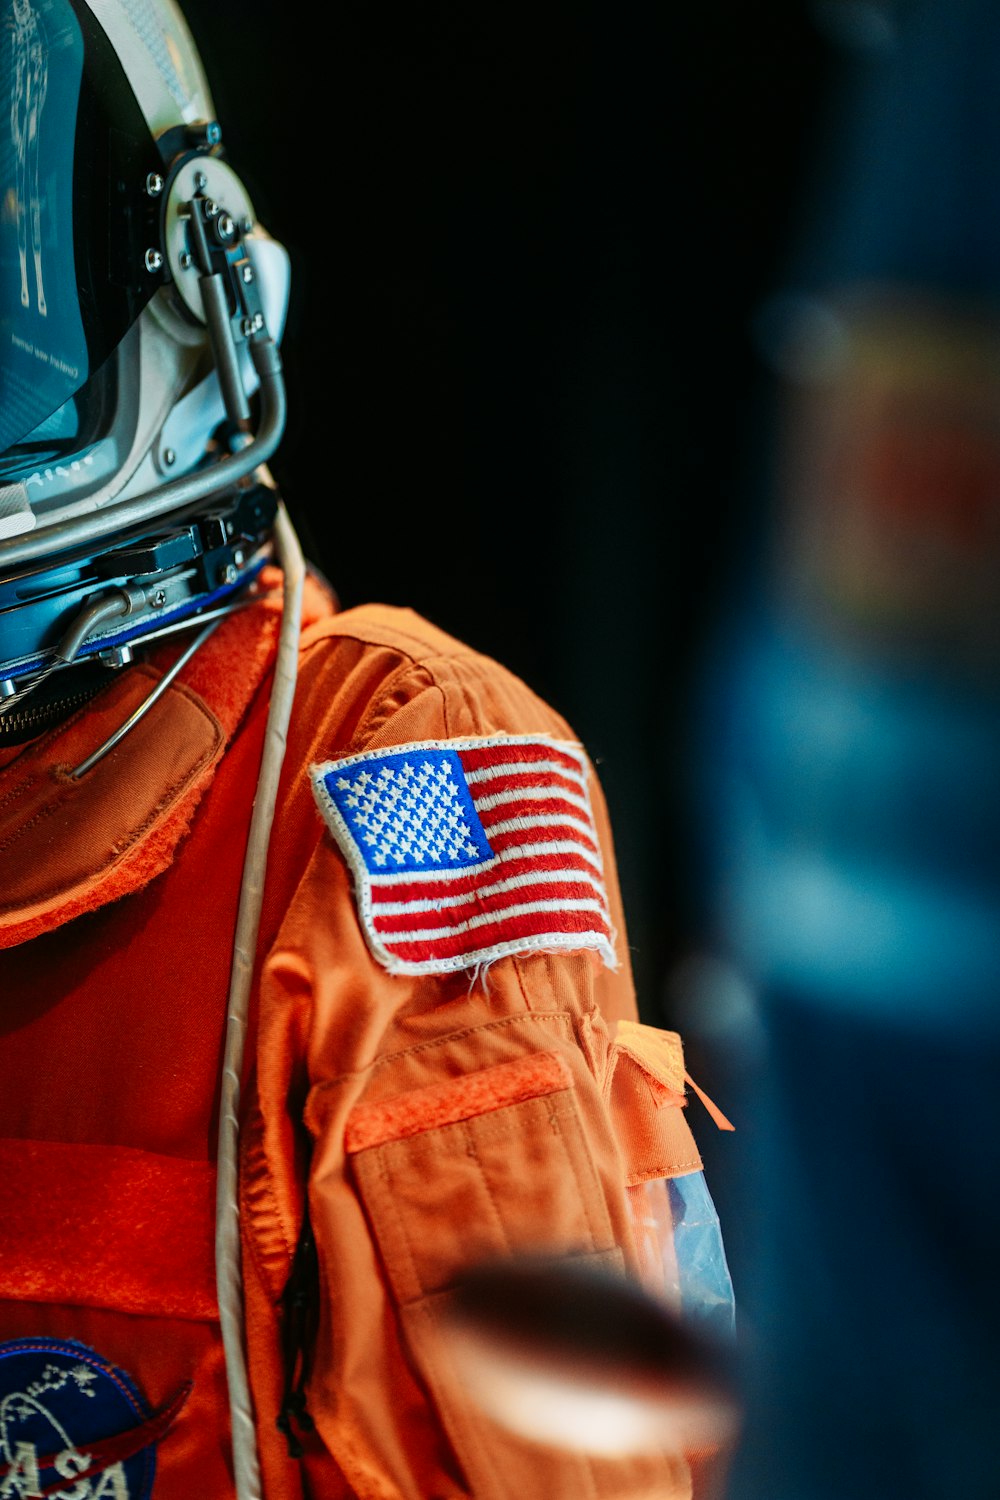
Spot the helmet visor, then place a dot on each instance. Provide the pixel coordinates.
(75, 216)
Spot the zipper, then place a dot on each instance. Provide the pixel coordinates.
(24, 723)
(299, 1306)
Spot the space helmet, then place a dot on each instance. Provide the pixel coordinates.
(141, 308)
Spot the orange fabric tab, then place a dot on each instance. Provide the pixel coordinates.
(107, 1226)
(713, 1109)
(655, 1137)
(645, 1083)
(438, 1104)
(659, 1053)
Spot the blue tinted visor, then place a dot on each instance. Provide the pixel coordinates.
(75, 219)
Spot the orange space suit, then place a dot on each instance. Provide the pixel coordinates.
(403, 1117)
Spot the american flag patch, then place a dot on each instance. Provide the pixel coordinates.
(466, 850)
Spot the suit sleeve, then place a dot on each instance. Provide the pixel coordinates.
(456, 1114)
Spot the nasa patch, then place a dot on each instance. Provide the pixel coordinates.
(73, 1424)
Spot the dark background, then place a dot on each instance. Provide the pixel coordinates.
(528, 242)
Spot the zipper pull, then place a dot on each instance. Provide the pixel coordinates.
(299, 1305)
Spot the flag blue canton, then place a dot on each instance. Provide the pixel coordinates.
(410, 812)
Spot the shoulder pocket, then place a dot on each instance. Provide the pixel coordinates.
(487, 1164)
(484, 1165)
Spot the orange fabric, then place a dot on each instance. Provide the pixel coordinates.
(645, 1089)
(67, 845)
(460, 1099)
(660, 1054)
(123, 1217)
(658, 1139)
(477, 1112)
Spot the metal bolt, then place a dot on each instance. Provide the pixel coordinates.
(211, 208)
(169, 457)
(154, 184)
(247, 274)
(154, 260)
(185, 260)
(247, 326)
(238, 557)
(200, 181)
(226, 226)
(159, 599)
(117, 656)
(229, 574)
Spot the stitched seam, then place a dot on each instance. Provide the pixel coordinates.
(457, 1036)
(494, 1123)
(470, 1147)
(121, 851)
(394, 635)
(663, 1170)
(18, 790)
(375, 712)
(390, 1197)
(258, 1198)
(554, 1118)
(444, 703)
(40, 815)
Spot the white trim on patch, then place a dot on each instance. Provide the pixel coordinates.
(365, 880)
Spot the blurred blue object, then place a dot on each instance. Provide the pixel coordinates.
(848, 781)
(706, 1287)
(857, 809)
(854, 820)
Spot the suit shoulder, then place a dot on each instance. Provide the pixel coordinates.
(391, 626)
(394, 658)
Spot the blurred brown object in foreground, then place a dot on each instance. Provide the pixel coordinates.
(575, 1356)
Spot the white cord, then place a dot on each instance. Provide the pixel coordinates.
(228, 1271)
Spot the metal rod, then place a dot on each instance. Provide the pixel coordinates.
(227, 365)
(148, 701)
(107, 606)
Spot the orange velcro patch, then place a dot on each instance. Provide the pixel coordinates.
(440, 1104)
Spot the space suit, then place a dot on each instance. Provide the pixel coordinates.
(314, 987)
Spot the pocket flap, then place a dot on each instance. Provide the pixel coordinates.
(647, 1100)
(491, 1163)
(457, 1099)
(486, 1164)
